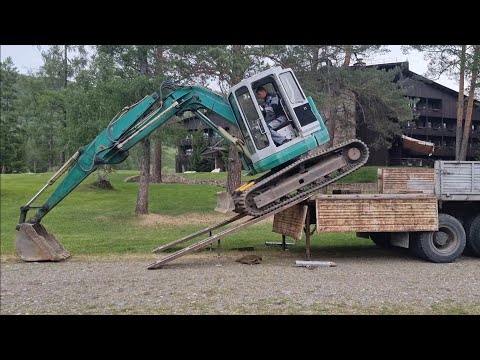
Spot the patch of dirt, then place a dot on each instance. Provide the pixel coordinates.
(182, 180)
(184, 219)
(188, 219)
(102, 184)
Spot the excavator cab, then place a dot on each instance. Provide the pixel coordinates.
(301, 124)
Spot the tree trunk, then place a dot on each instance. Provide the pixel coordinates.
(219, 163)
(461, 89)
(348, 56)
(63, 155)
(234, 176)
(160, 60)
(157, 142)
(315, 58)
(234, 170)
(157, 161)
(65, 67)
(50, 153)
(471, 97)
(65, 81)
(142, 196)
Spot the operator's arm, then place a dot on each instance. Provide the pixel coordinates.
(268, 111)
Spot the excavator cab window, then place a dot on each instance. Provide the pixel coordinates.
(252, 117)
(287, 127)
(291, 88)
(297, 101)
(241, 124)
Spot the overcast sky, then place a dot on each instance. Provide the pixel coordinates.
(27, 58)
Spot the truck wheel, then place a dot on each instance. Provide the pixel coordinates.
(382, 240)
(472, 229)
(414, 245)
(444, 245)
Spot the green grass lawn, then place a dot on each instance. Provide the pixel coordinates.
(366, 174)
(92, 221)
(221, 176)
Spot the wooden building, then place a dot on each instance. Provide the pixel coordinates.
(435, 121)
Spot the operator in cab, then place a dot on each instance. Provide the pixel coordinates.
(273, 113)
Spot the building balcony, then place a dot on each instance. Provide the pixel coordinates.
(450, 151)
(212, 140)
(430, 131)
(429, 112)
(444, 151)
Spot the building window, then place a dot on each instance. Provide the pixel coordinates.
(435, 104)
(421, 104)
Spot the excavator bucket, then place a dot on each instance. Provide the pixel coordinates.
(224, 202)
(34, 243)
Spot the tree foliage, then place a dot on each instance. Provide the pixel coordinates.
(381, 104)
(12, 154)
(199, 145)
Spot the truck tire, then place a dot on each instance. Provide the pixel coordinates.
(444, 245)
(382, 240)
(414, 245)
(472, 229)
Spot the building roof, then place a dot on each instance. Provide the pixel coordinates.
(404, 66)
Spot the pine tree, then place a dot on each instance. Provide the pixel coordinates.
(12, 154)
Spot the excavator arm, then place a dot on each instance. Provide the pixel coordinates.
(111, 146)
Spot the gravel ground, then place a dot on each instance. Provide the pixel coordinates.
(367, 281)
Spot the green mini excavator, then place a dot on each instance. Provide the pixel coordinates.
(293, 171)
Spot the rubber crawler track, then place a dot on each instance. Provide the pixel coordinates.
(244, 201)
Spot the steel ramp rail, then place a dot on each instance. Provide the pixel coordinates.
(202, 243)
(198, 233)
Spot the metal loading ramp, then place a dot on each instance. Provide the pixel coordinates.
(205, 242)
